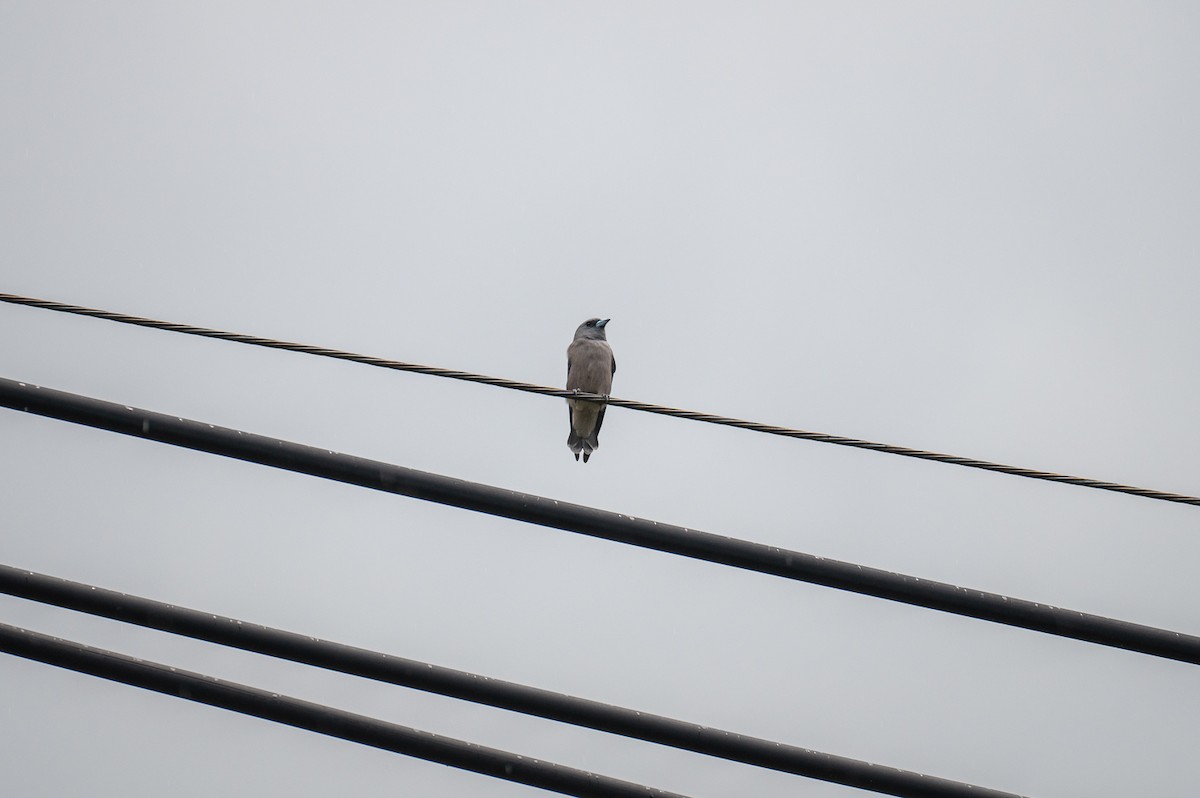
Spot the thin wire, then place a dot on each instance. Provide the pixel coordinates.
(645, 407)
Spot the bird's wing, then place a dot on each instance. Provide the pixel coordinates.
(572, 361)
(599, 420)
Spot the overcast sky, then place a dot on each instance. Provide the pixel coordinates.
(967, 227)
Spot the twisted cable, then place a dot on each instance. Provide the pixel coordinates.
(645, 407)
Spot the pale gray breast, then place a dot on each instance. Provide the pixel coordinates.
(590, 366)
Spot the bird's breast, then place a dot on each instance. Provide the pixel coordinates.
(589, 366)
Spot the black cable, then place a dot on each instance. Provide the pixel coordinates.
(598, 523)
(645, 407)
(317, 717)
(481, 689)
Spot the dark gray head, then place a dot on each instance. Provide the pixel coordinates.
(592, 328)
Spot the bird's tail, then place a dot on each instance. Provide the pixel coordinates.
(583, 446)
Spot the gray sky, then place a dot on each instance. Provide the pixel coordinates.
(962, 227)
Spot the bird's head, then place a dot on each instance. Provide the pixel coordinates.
(592, 328)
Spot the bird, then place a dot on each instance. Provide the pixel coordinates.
(590, 369)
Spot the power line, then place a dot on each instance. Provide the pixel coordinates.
(646, 407)
(598, 523)
(481, 689)
(317, 717)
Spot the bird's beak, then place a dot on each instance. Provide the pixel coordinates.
(602, 322)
